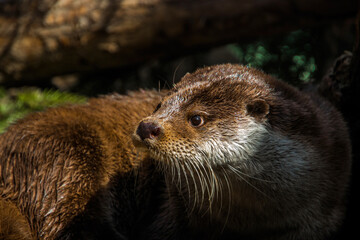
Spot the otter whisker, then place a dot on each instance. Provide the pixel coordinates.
(214, 181)
(173, 169)
(217, 186)
(229, 185)
(210, 190)
(202, 184)
(197, 179)
(210, 180)
(209, 185)
(196, 192)
(178, 168)
(176, 69)
(188, 187)
(200, 166)
(249, 176)
(238, 173)
(202, 179)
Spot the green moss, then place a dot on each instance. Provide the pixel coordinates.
(15, 104)
(289, 57)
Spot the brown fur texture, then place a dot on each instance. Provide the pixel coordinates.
(247, 156)
(57, 166)
(13, 225)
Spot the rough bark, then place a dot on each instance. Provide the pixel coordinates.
(42, 38)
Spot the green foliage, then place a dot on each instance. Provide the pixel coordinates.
(289, 58)
(15, 104)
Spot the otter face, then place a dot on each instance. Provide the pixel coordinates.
(207, 119)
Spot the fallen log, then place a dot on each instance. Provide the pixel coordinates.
(43, 38)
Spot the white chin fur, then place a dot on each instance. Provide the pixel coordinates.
(255, 148)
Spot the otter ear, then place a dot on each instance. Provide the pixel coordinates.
(258, 108)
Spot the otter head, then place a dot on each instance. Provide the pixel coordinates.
(235, 138)
(212, 117)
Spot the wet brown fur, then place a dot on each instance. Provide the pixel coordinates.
(54, 164)
(13, 225)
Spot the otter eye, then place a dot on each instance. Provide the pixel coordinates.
(196, 121)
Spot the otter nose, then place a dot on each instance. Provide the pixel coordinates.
(148, 130)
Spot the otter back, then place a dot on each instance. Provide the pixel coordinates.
(56, 166)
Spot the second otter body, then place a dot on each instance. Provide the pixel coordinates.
(246, 155)
(61, 169)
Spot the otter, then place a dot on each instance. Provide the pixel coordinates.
(229, 152)
(245, 155)
(13, 225)
(61, 169)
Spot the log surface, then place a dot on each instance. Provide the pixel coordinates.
(43, 38)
